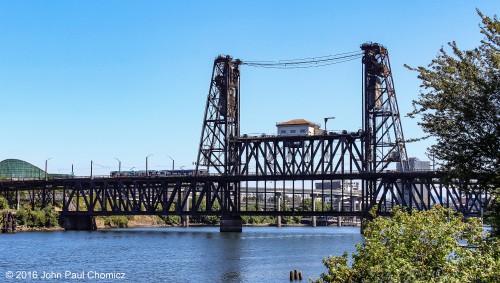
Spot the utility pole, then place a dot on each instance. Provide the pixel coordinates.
(326, 120)
(173, 162)
(119, 165)
(147, 173)
(46, 174)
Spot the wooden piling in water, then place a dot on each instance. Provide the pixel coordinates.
(9, 219)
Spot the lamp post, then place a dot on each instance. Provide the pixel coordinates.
(147, 173)
(173, 162)
(326, 120)
(119, 165)
(46, 175)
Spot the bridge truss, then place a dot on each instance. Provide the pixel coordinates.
(274, 175)
(258, 195)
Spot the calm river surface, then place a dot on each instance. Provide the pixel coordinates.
(195, 254)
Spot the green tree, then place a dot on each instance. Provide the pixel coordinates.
(173, 220)
(4, 204)
(459, 106)
(428, 246)
(46, 217)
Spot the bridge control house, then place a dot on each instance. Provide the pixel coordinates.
(298, 127)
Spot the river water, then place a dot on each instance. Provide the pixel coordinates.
(194, 254)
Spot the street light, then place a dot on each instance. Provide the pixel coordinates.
(173, 162)
(326, 120)
(147, 173)
(119, 165)
(46, 175)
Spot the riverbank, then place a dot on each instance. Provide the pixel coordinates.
(147, 221)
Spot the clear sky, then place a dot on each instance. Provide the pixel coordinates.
(99, 80)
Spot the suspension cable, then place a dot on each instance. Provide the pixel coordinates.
(306, 62)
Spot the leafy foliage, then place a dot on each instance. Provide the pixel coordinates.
(173, 220)
(4, 204)
(46, 217)
(118, 221)
(428, 246)
(257, 219)
(460, 106)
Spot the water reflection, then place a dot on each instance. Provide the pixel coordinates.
(230, 256)
(195, 254)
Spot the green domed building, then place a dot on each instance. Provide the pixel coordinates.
(19, 169)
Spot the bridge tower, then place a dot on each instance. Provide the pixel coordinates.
(222, 117)
(383, 134)
(221, 126)
(384, 140)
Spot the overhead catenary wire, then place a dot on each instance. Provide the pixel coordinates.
(311, 62)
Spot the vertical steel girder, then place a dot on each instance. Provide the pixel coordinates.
(384, 142)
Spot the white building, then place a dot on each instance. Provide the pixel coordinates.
(298, 127)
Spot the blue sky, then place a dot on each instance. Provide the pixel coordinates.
(98, 80)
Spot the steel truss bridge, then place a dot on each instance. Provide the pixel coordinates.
(326, 174)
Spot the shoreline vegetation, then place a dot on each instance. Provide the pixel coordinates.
(47, 219)
(139, 221)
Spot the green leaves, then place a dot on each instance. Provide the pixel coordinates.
(460, 106)
(427, 246)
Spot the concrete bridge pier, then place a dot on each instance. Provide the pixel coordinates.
(185, 217)
(277, 198)
(78, 222)
(313, 203)
(231, 223)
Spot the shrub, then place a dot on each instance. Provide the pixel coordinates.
(428, 246)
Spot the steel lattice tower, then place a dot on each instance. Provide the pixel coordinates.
(222, 117)
(384, 140)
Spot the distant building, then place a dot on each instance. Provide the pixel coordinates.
(298, 127)
(336, 185)
(19, 169)
(415, 165)
(15, 168)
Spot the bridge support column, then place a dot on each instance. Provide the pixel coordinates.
(185, 218)
(231, 224)
(339, 221)
(78, 222)
(278, 218)
(313, 218)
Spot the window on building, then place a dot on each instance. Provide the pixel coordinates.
(302, 131)
(292, 131)
(283, 131)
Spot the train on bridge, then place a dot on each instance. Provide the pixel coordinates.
(158, 173)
